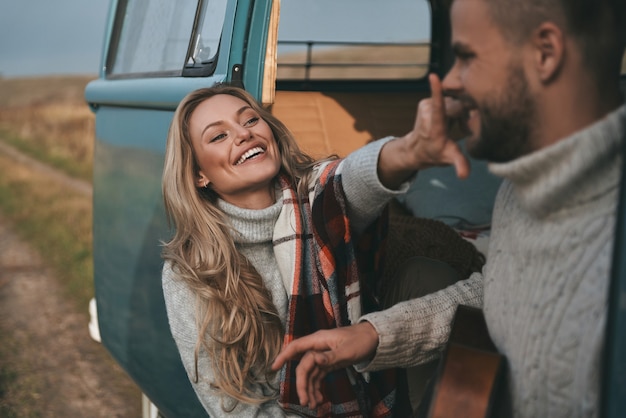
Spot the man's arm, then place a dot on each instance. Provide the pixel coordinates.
(404, 335)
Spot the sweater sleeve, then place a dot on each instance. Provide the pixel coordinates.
(415, 331)
(365, 195)
(180, 306)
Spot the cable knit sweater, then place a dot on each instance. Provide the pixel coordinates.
(546, 277)
(253, 232)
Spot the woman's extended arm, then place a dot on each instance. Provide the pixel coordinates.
(381, 170)
(365, 195)
(427, 145)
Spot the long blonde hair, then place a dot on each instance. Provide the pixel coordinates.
(238, 324)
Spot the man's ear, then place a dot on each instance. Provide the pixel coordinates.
(549, 51)
(202, 180)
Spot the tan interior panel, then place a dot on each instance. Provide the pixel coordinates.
(338, 123)
(271, 51)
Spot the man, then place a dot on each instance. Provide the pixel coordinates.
(538, 81)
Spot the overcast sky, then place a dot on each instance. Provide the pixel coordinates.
(40, 37)
(51, 36)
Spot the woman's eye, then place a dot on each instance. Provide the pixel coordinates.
(218, 137)
(251, 121)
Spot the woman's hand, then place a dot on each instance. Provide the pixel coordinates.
(429, 143)
(325, 351)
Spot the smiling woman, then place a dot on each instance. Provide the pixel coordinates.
(222, 165)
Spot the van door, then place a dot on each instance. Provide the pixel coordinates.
(155, 53)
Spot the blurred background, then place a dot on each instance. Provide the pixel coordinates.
(49, 364)
(39, 37)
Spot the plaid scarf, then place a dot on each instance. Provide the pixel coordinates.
(333, 283)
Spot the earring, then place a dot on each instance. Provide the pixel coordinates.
(206, 184)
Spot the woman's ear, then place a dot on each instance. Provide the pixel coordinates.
(549, 51)
(202, 181)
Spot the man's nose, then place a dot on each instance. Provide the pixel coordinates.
(451, 81)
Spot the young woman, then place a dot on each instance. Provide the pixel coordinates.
(264, 250)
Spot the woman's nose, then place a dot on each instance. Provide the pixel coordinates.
(242, 134)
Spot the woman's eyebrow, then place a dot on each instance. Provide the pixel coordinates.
(219, 122)
(243, 109)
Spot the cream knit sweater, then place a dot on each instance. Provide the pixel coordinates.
(546, 277)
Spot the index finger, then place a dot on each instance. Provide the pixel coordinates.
(438, 127)
(297, 348)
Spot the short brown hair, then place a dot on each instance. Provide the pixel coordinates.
(599, 26)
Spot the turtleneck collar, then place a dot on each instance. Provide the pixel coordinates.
(252, 226)
(571, 172)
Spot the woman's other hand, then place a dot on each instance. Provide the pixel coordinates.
(323, 352)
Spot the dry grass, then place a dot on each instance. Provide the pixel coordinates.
(49, 119)
(56, 221)
(15, 92)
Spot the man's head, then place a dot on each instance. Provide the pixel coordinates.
(517, 61)
(597, 26)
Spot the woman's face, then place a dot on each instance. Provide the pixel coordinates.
(236, 151)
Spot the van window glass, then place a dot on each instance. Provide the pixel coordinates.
(353, 39)
(161, 37)
(207, 38)
(624, 63)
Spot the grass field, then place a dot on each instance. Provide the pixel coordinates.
(48, 118)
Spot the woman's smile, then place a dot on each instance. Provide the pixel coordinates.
(250, 154)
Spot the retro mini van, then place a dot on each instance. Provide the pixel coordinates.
(339, 73)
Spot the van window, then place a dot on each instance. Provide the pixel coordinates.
(353, 39)
(624, 63)
(163, 37)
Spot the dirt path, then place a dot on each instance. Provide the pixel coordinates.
(49, 365)
(49, 172)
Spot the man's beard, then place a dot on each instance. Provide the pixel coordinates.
(506, 121)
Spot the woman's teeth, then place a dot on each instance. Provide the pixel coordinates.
(249, 153)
